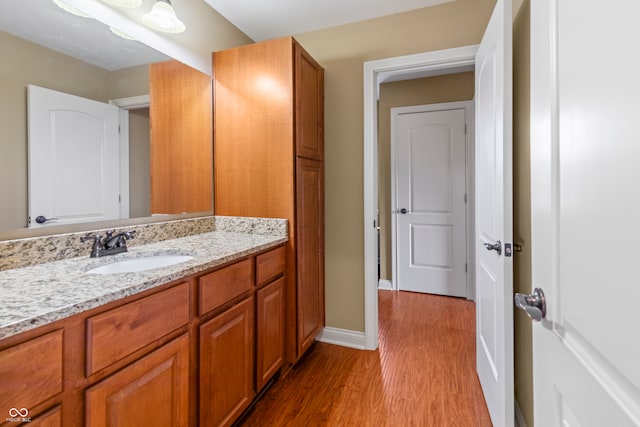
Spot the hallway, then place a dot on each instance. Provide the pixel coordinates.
(423, 373)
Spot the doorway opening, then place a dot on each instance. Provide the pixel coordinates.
(449, 61)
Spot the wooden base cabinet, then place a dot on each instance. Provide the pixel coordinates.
(154, 391)
(226, 365)
(268, 128)
(193, 352)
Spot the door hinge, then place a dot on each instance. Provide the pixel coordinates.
(119, 198)
(465, 128)
(465, 197)
(466, 267)
(119, 131)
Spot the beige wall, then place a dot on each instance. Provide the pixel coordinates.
(432, 90)
(342, 51)
(131, 81)
(139, 163)
(522, 209)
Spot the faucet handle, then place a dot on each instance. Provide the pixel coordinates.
(91, 236)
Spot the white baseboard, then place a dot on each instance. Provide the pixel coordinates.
(343, 337)
(385, 285)
(520, 422)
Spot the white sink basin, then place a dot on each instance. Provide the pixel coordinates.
(140, 264)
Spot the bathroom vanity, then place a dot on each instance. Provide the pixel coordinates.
(188, 344)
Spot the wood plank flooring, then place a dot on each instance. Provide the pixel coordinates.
(423, 373)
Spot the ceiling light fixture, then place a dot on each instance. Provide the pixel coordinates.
(163, 18)
(122, 34)
(124, 3)
(72, 10)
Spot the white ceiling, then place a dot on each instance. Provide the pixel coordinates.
(44, 23)
(267, 19)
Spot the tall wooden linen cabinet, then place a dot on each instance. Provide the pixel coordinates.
(269, 162)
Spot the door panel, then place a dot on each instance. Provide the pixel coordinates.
(429, 160)
(74, 152)
(584, 209)
(494, 269)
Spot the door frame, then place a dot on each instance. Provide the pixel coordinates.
(126, 104)
(467, 106)
(407, 67)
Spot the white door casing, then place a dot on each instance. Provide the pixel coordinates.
(585, 160)
(428, 63)
(126, 105)
(74, 170)
(428, 170)
(494, 270)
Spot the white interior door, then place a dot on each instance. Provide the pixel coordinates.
(74, 169)
(429, 192)
(585, 158)
(494, 268)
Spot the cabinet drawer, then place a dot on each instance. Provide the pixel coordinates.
(269, 265)
(31, 372)
(123, 330)
(225, 284)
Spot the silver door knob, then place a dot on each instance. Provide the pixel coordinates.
(534, 305)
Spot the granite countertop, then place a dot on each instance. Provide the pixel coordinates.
(41, 294)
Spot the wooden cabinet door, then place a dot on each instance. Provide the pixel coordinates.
(270, 331)
(309, 250)
(309, 104)
(51, 418)
(154, 391)
(226, 365)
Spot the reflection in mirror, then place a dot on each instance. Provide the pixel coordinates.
(82, 57)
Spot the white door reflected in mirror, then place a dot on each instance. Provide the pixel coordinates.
(74, 169)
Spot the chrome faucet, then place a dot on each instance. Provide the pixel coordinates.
(112, 244)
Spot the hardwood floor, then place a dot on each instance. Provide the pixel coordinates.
(423, 373)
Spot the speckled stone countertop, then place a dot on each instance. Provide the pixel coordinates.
(40, 294)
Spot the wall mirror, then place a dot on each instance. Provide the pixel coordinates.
(160, 167)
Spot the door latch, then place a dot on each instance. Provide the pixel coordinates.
(497, 246)
(534, 305)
